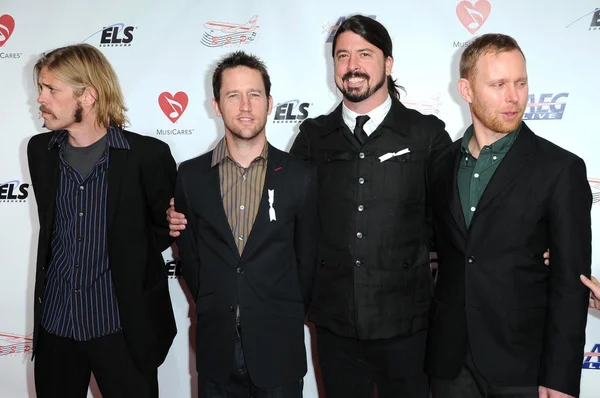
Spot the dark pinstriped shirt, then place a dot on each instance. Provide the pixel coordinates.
(80, 301)
(241, 190)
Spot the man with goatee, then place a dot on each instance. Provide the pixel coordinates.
(502, 322)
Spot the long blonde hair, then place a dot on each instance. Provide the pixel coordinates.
(82, 66)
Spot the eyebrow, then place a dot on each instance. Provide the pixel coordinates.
(252, 90)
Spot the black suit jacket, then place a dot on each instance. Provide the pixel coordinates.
(141, 181)
(271, 281)
(524, 322)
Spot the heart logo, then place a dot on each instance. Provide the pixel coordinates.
(7, 26)
(473, 14)
(173, 106)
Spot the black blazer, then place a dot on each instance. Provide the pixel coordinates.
(141, 181)
(271, 281)
(524, 322)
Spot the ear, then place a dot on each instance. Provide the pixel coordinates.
(215, 105)
(464, 88)
(389, 64)
(89, 97)
(270, 105)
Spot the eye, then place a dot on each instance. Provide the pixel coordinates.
(342, 56)
(365, 54)
(498, 85)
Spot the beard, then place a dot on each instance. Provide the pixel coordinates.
(246, 134)
(493, 122)
(355, 94)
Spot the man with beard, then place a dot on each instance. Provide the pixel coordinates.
(502, 322)
(101, 301)
(373, 282)
(249, 249)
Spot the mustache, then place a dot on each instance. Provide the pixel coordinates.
(352, 74)
(44, 109)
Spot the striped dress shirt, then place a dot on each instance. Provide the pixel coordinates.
(80, 301)
(241, 190)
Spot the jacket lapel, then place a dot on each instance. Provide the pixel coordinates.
(273, 181)
(451, 167)
(50, 188)
(510, 167)
(216, 212)
(117, 163)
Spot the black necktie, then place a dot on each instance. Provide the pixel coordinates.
(359, 132)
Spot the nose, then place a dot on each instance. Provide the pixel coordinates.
(511, 94)
(352, 62)
(245, 103)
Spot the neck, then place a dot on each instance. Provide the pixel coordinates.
(245, 151)
(85, 134)
(482, 136)
(368, 104)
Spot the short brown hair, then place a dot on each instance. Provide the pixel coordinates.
(82, 66)
(489, 43)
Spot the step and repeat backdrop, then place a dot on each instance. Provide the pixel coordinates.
(164, 53)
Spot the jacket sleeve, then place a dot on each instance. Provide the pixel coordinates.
(187, 241)
(159, 173)
(569, 230)
(301, 145)
(306, 238)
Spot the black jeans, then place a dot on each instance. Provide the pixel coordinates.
(239, 384)
(63, 368)
(353, 368)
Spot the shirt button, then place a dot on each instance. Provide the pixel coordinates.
(472, 208)
(358, 263)
(471, 260)
(361, 207)
(361, 180)
(476, 175)
(242, 207)
(76, 290)
(79, 239)
(495, 157)
(359, 235)
(240, 270)
(361, 155)
(80, 214)
(81, 188)
(76, 265)
(240, 237)
(244, 177)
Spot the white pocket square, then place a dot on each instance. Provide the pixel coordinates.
(390, 155)
(272, 216)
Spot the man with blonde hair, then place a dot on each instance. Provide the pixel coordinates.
(502, 323)
(101, 300)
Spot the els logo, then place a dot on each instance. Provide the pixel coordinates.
(13, 192)
(547, 107)
(115, 35)
(173, 106)
(7, 26)
(291, 111)
(473, 13)
(594, 24)
(233, 33)
(174, 269)
(332, 29)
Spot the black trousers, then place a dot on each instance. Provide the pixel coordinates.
(352, 368)
(240, 385)
(470, 384)
(63, 368)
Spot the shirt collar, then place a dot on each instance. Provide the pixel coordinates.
(115, 138)
(376, 116)
(221, 152)
(499, 147)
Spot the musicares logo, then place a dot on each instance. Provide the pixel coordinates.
(173, 106)
(473, 13)
(7, 26)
